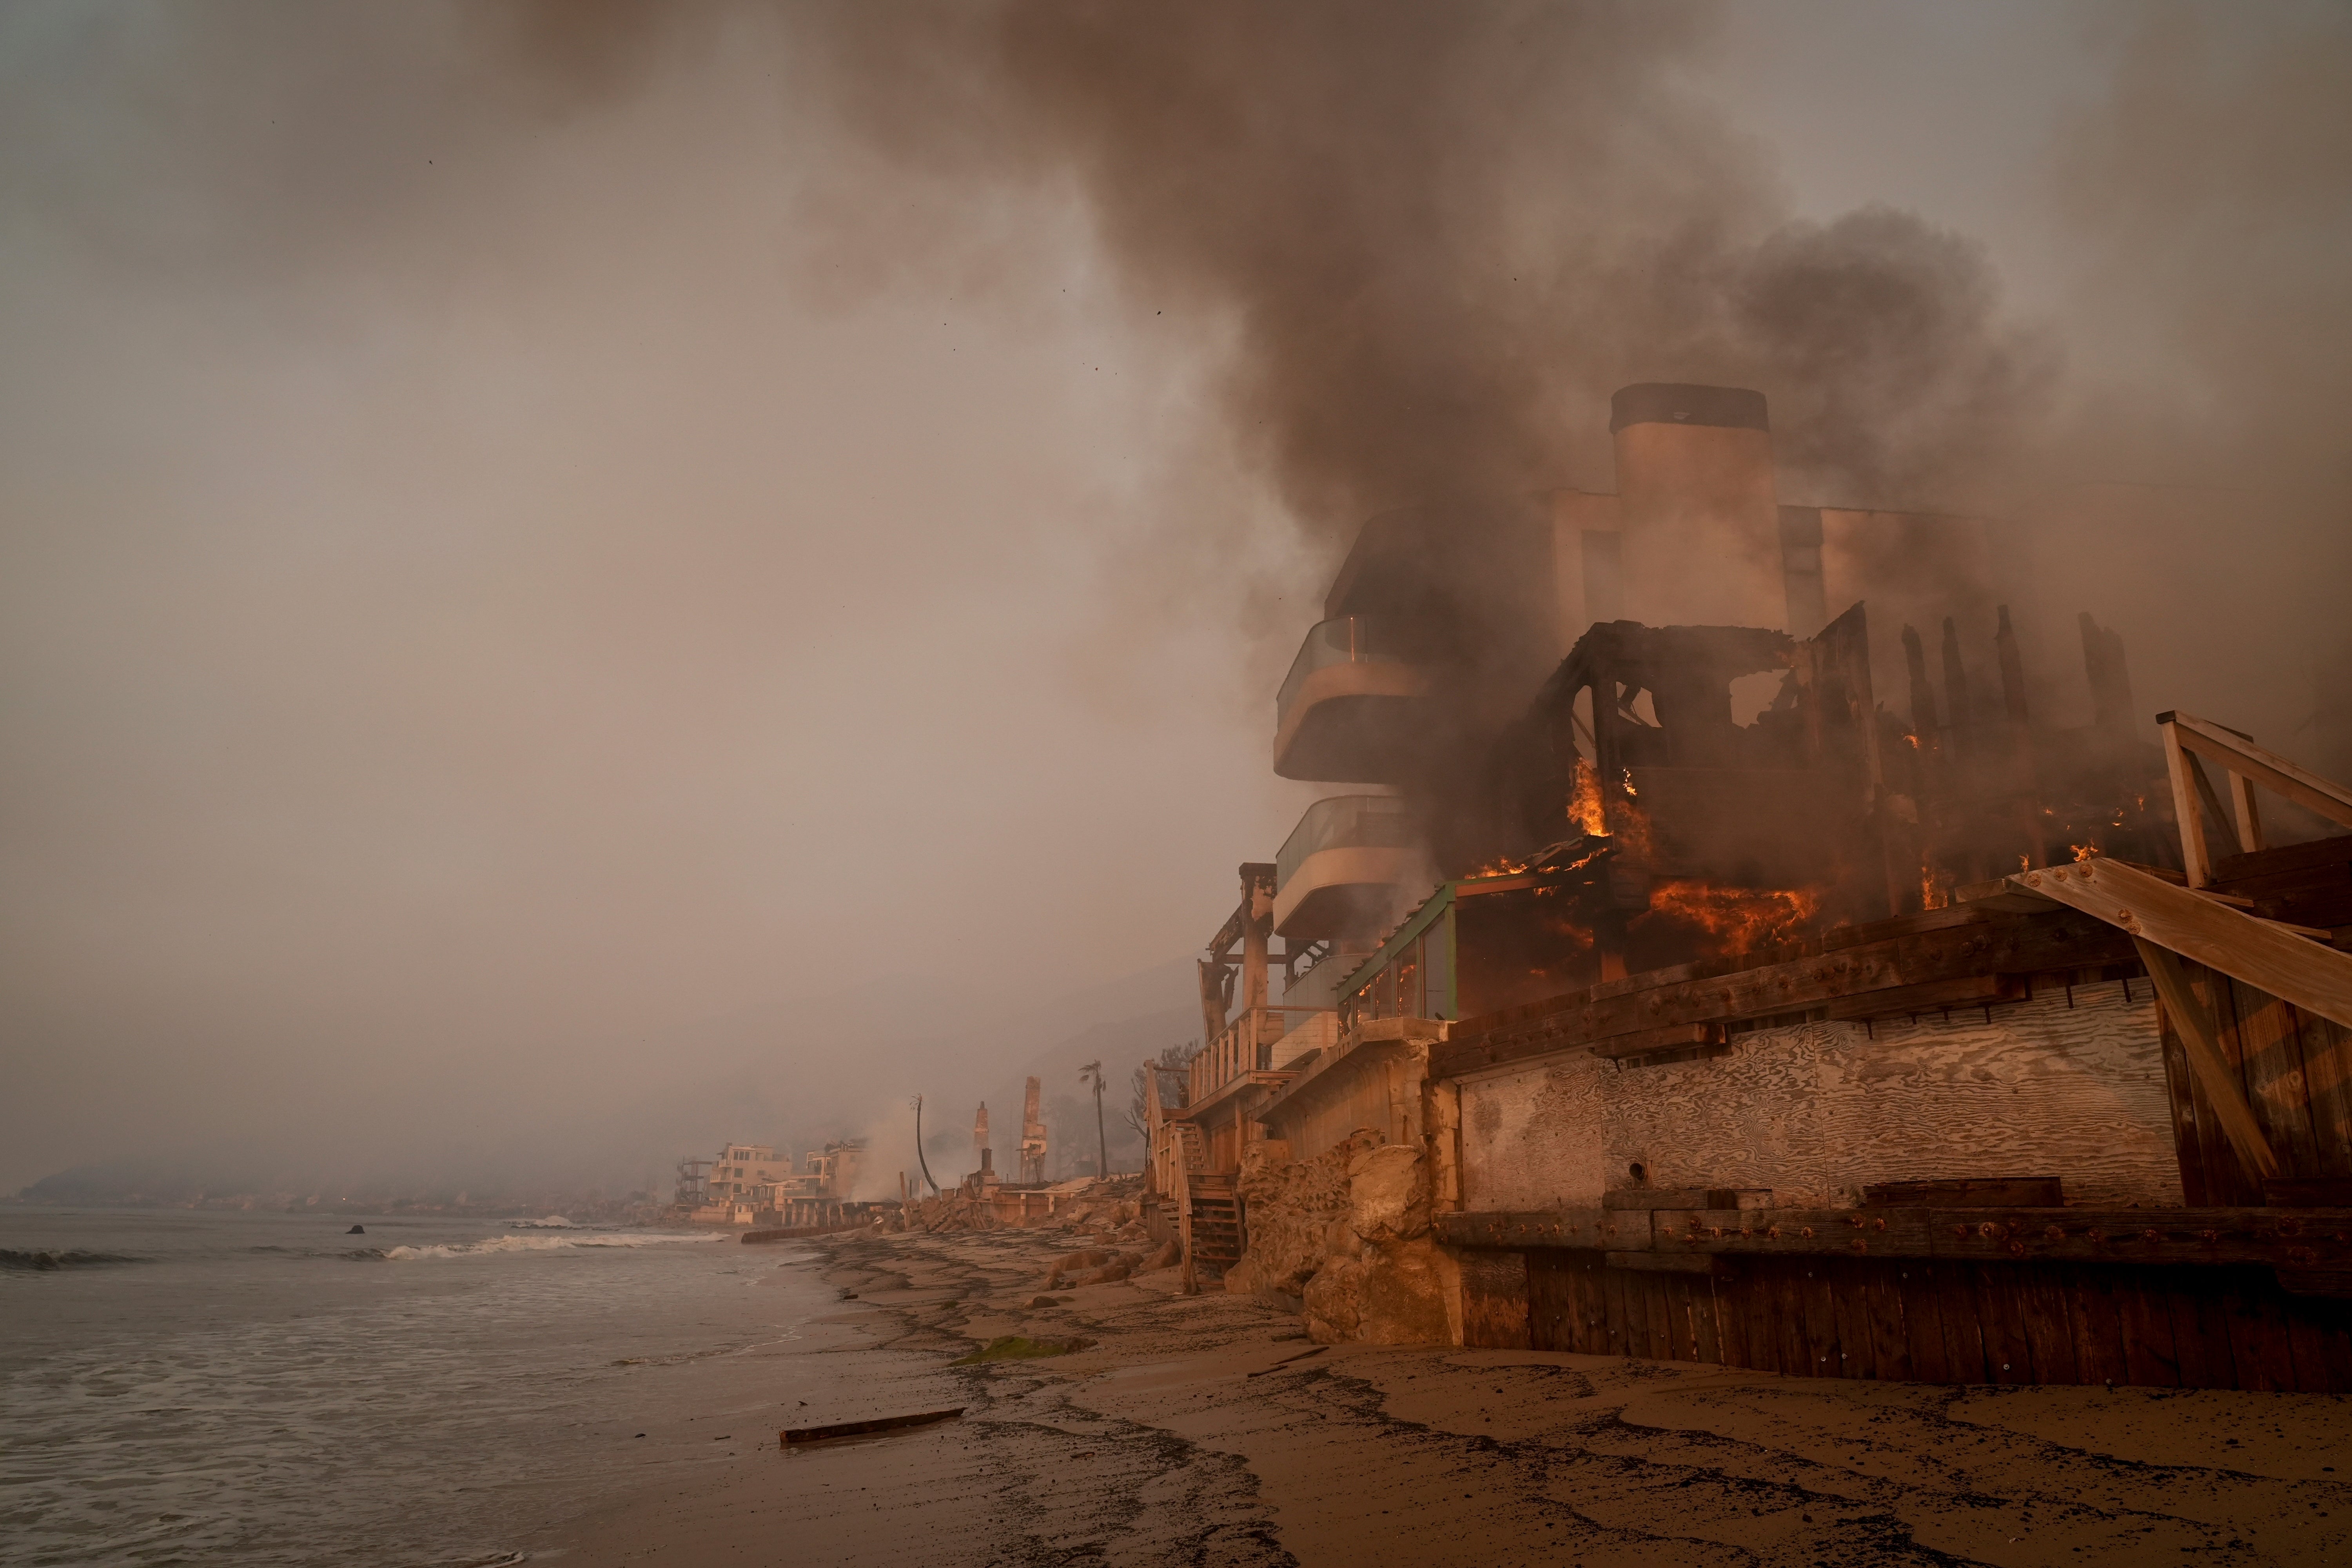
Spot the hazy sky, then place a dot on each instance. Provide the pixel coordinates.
(490, 580)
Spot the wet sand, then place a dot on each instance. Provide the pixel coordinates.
(1189, 1434)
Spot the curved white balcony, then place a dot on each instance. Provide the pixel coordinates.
(1344, 713)
(1348, 867)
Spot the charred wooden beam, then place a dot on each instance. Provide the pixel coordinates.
(2257, 951)
(1964, 963)
(2316, 1240)
(1687, 1198)
(1597, 1229)
(1979, 1192)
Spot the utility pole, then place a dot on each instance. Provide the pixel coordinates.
(1092, 1073)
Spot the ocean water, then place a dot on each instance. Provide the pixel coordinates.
(203, 1388)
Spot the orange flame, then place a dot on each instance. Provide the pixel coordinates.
(1584, 802)
(1740, 919)
(1935, 888)
(2084, 851)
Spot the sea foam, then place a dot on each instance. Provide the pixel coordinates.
(489, 1245)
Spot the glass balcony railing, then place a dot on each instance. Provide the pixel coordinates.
(1350, 709)
(1345, 821)
(1347, 640)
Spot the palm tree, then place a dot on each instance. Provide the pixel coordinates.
(1091, 1074)
(926, 1165)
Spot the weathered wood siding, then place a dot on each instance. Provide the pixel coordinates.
(1495, 1314)
(2295, 1069)
(1371, 1097)
(1951, 1322)
(1532, 1140)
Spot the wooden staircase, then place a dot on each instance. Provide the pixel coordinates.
(1216, 1225)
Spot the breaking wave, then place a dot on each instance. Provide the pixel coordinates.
(70, 1259)
(498, 1244)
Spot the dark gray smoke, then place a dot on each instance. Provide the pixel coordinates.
(1436, 237)
(470, 609)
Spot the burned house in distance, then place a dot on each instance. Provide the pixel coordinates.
(1715, 956)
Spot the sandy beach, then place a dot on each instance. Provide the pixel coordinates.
(1208, 1429)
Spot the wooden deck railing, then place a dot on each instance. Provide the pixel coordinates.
(2185, 737)
(1246, 1045)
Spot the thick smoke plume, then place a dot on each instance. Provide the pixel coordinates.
(1431, 239)
(468, 593)
(1436, 237)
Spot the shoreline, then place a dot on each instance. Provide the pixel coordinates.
(1193, 1430)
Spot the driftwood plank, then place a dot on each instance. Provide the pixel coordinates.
(791, 1436)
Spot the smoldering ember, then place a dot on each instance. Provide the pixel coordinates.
(1025, 781)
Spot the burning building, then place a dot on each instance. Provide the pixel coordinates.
(1696, 973)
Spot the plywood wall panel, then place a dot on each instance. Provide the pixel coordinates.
(1818, 1111)
(1531, 1140)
